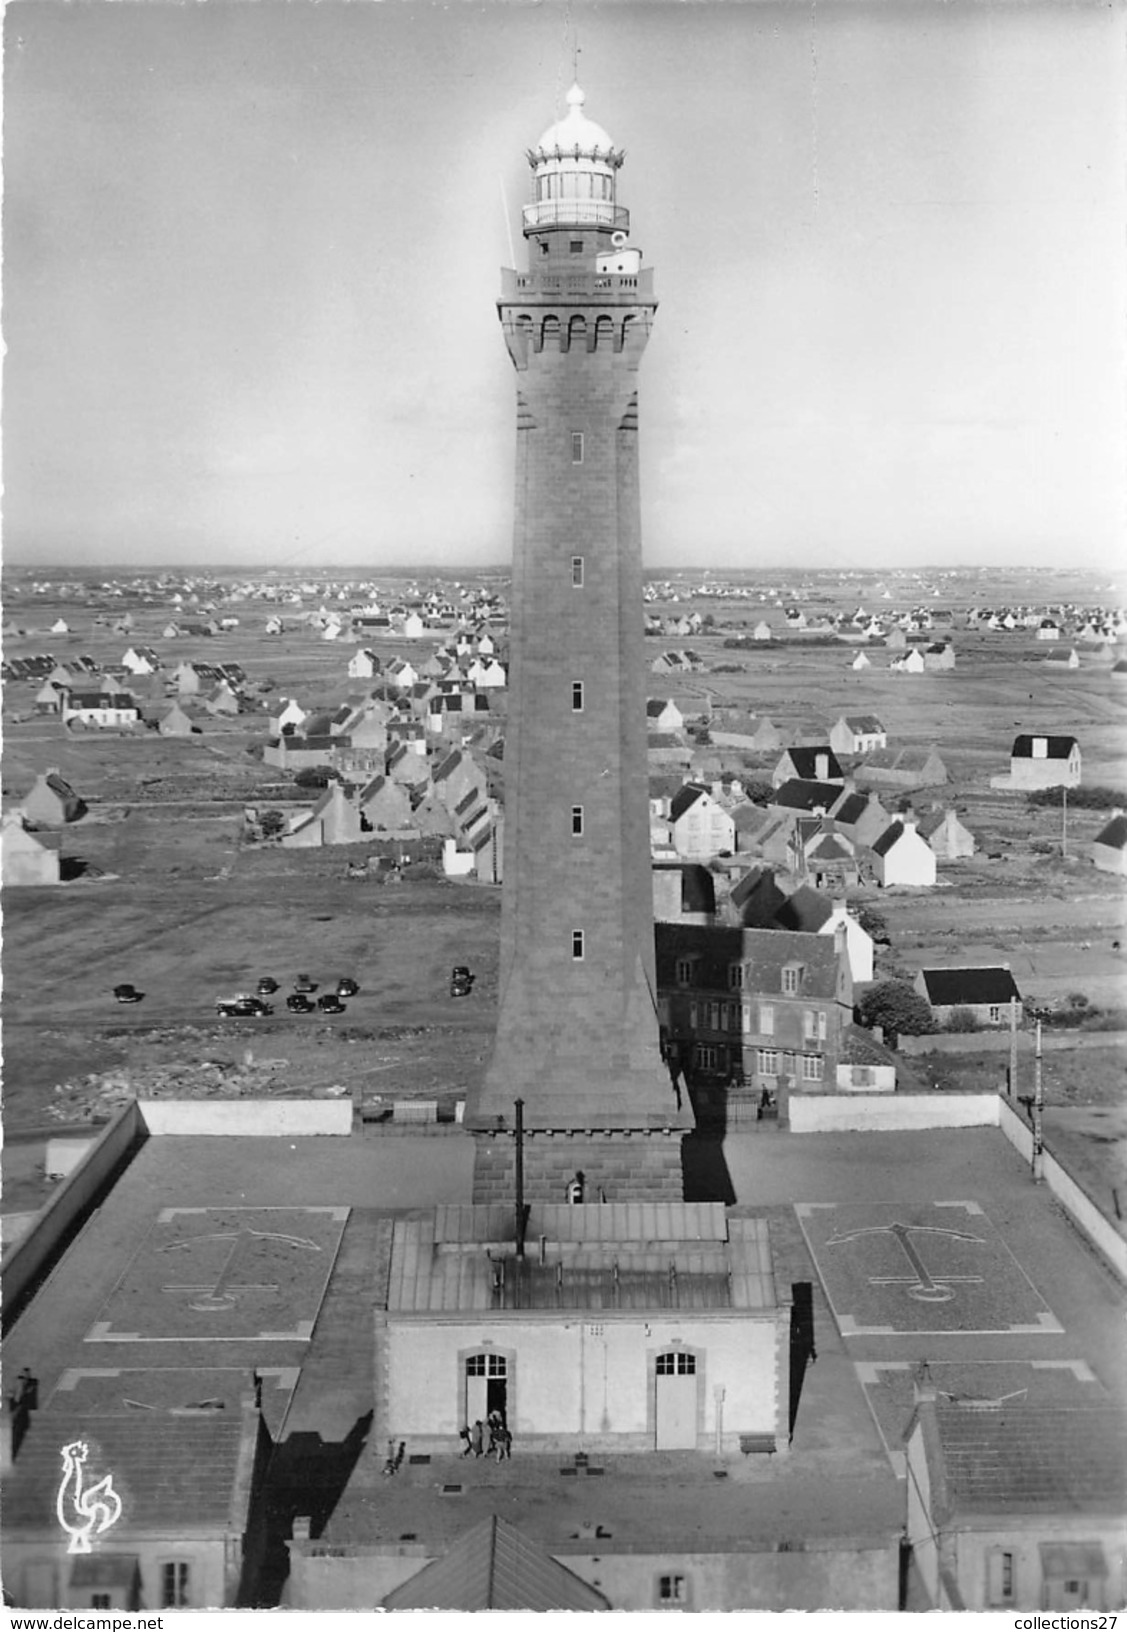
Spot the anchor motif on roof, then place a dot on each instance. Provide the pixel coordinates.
(923, 1286)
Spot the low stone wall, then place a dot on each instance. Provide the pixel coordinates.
(1083, 1212)
(28, 1259)
(889, 1113)
(247, 1118)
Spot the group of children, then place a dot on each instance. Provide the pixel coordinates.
(500, 1439)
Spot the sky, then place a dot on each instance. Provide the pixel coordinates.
(252, 253)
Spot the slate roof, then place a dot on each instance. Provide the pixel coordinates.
(494, 1566)
(852, 807)
(830, 847)
(766, 950)
(805, 760)
(686, 796)
(901, 759)
(1055, 747)
(1034, 1458)
(1114, 835)
(805, 910)
(994, 984)
(758, 882)
(447, 768)
(749, 818)
(172, 1471)
(802, 794)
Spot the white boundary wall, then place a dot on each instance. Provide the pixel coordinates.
(247, 1118)
(1075, 1203)
(873, 1113)
(889, 1113)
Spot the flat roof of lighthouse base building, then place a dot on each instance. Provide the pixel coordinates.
(608, 1256)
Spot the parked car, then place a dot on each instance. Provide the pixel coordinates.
(304, 984)
(127, 994)
(347, 987)
(242, 1008)
(461, 981)
(330, 1004)
(267, 985)
(298, 1003)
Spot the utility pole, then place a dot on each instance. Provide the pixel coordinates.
(1011, 1086)
(1038, 1107)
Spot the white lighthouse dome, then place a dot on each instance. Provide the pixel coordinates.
(575, 134)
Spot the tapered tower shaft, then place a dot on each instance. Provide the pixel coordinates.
(577, 1031)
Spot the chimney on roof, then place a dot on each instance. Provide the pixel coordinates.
(821, 767)
(923, 1385)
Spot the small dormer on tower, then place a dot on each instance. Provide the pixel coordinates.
(574, 218)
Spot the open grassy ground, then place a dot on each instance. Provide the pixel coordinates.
(175, 902)
(65, 949)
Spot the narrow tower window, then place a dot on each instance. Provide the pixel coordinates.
(577, 696)
(577, 447)
(577, 945)
(576, 246)
(577, 572)
(577, 820)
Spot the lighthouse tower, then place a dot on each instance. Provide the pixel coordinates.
(577, 1030)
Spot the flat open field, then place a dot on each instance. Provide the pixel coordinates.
(174, 901)
(65, 949)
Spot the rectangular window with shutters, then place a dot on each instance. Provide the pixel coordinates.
(767, 1062)
(745, 1017)
(577, 696)
(175, 1578)
(999, 1577)
(672, 1591)
(577, 572)
(577, 821)
(767, 1019)
(736, 977)
(814, 1025)
(577, 946)
(685, 967)
(577, 447)
(813, 1067)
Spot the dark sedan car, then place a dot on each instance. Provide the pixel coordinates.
(347, 987)
(127, 994)
(242, 1008)
(330, 1004)
(298, 1003)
